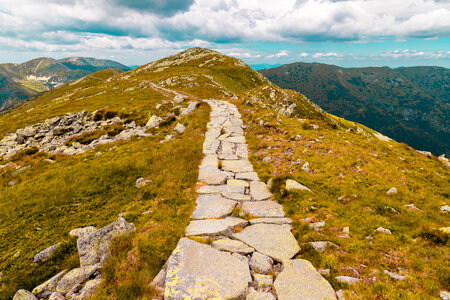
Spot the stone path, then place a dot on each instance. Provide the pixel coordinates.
(247, 245)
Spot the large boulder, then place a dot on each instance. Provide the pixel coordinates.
(47, 288)
(94, 248)
(24, 295)
(74, 278)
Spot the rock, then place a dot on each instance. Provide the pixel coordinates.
(153, 121)
(213, 177)
(214, 226)
(198, 271)
(49, 286)
(191, 107)
(220, 189)
(383, 230)
(56, 296)
(180, 128)
(260, 296)
(89, 289)
(444, 295)
(210, 206)
(445, 230)
(24, 295)
(262, 209)
(278, 221)
(324, 271)
(237, 182)
(347, 279)
(395, 275)
(140, 182)
(294, 185)
(251, 176)
(159, 281)
(236, 196)
(263, 281)
(232, 246)
(74, 278)
(21, 170)
(260, 263)
(445, 208)
(299, 280)
(411, 206)
(322, 245)
(45, 254)
(82, 231)
(94, 248)
(237, 166)
(259, 191)
(272, 240)
(317, 225)
(306, 167)
(340, 295)
(178, 99)
(391, 191)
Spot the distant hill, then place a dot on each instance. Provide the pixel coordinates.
(409, 104)
(20, 81)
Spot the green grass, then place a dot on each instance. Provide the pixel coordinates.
(335, 156)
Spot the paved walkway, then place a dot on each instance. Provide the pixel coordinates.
(238, 244)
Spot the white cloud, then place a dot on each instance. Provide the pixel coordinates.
(407, 53)
(282, 53)
(326, 55)
(303, 54)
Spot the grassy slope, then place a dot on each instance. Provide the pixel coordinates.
(335, 156)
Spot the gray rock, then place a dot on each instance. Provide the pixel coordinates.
(160, 279)
(214, 226)
(260, 296)
(178, 99)
(445, 208)
(251, 176)
(45, 254)
(278, 221)
(211, 206)
(444, 295)
(229, 245)
(198, 271)
(260, 263)
(306, 167)
(191, 107)
(236, 196)
(237, 166)
(322, 245)
(180, 128)
(263, 281)
(290, 283)
(394, 275)
(262, 209)
(347, 279)
(392, 191)
(272, 240)
(153, 121)
(140, 182)
(220, 189)
(82, 231)
(340, 295)
(89, 289)
(383, 230)
(24, 295)
(294, 185)
(56, 296)
(21, 170)
(94, 248)
(212, 176)
(74, 278)
(317, 225)
(259, 191)
(49, 286)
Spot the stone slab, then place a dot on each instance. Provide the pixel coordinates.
(213, 206)
(262, 209)
(259, 191)
(237, 166)
(214, 226)
(232, 246)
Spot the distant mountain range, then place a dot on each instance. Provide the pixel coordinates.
(408, 104)
(20, 81)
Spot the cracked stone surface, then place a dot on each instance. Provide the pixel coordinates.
(210, 206)
(262, 209)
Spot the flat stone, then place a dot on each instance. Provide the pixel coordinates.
(252, 176)
(262, 209)
(237, 182)
(237, 196)
(198, 271)
(299, 280)
(89, 289)
(75, 277)
(295, 185)
(82, 231)
(272, 240)
(24, 295)
(260, 296)
(391, 191)
(444, 295)
(394, 275)
(322, 245)
(45, 254)
(232, 246)
(218, 189)
(317, 225)
(263, 281)
(49, 286)
(236, 139)
(259, 191)
(214, 226)
(237, 166)
(260, 263)
(214, 177)
(209, 161)
(347, 279)
(278, 221)
(383, 230)
(212, 206)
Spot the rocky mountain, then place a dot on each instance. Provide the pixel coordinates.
(20, 81)
(199, 161)
(410, 105)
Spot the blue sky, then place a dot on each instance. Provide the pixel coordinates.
(342, 32)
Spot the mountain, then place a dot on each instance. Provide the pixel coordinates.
(408, 104)
(130, 145)
(20, 81)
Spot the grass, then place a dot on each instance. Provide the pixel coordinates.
(361, 169)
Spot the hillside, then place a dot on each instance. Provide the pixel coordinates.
(126, 154)
(410, 105)
(20, 81)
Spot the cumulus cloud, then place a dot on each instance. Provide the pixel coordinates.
(279, 54)
(407, 53)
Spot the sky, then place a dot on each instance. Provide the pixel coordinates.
(349, 33)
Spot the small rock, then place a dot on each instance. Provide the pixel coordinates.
(255, 295)
(445, 208)
(140, 182)
(230, 245)
(82, 231)
(294, 185)
(180, 128)
(317, 225)
(444, 295)
(392, 191)
(322, 245)
(306, 167)
(260, 263)
(24, 295)
(395, 275)
(98, 154)
(383, 230)
(340, 295)
(324, 271)
(153, 121)
(11, 183)
(347, 279)
(411, 206)
(45, 254)
(193, 105)
(74, 278)
(263, 280)
(178, 99)
(89, 289)
(56, 296)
